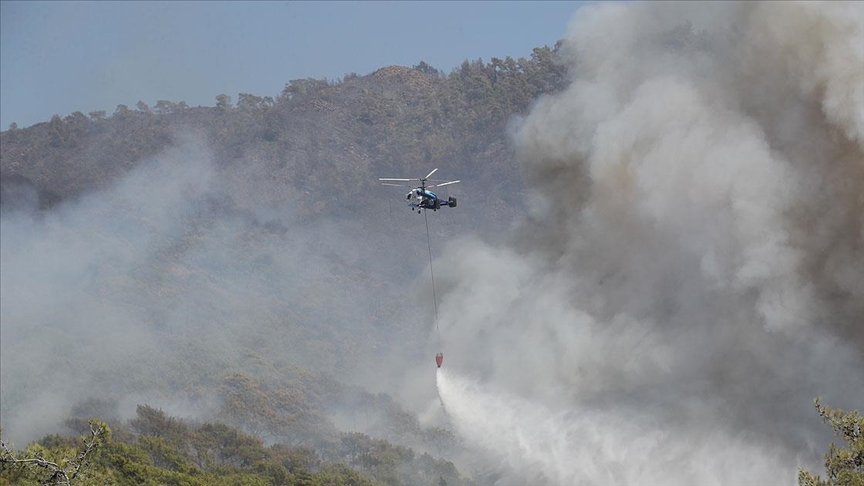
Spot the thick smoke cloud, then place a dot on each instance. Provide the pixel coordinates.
(691, 274)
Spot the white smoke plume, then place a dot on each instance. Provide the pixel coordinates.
(691, 274)
(571, 447)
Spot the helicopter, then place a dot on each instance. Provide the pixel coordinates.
(421, 197)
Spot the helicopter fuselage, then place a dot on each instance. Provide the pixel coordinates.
(420, 198)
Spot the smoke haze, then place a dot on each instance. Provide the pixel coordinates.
(150, 290)
(691, 274)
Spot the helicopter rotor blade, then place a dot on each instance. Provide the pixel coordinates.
(394, 179)
(444, 184)
(430, 174)
(395, 185)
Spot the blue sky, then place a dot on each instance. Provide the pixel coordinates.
(59, 57)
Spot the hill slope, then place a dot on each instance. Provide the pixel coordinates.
(149, 254)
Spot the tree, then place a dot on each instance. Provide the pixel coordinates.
(844, 465)
(426, 69)
(223, 101)
(59, 471)
(76, 117)
(339, 475)
(302, 87)
(153, 422)
(59, 131)
(246, 101)
(97, 115)
(218, 444)
(105, 410)
(246, 406)
(295, 459)
(164, 107)
(376, 457)
(13, 132)
(122, 110)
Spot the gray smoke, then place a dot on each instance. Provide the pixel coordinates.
(76, 305)
(152, 289)
(691, 274)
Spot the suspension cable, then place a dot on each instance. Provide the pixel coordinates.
(432, 273)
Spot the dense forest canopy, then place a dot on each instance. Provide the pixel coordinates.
(318, 137)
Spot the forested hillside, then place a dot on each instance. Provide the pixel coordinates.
(325, 140)
(240, 266)
(302, 446)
